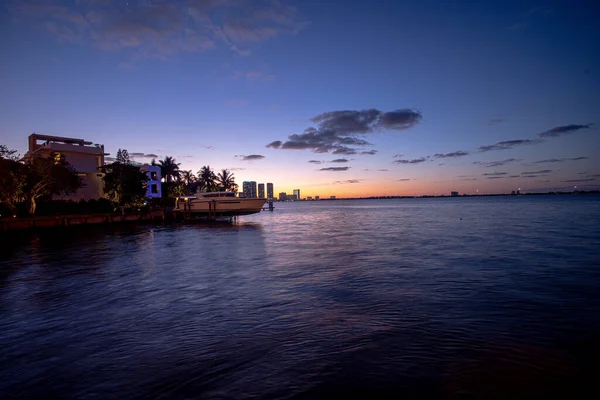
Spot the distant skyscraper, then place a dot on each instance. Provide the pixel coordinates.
(282, 196)
(270, 191)
(249, 189)
(297, 194)
(261, 190)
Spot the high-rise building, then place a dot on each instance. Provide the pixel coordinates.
(270, 191)
(261, 190)
(249, 188)
(297, 194)
(282, 196)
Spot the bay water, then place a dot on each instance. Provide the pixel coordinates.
(478, 297)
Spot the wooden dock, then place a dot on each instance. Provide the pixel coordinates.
(157, 216)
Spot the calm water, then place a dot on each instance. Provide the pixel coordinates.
(483, 297)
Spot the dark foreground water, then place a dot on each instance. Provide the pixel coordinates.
(468, 297)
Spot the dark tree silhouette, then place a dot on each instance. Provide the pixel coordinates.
(207, 179)
(169, 169)
(226, 181)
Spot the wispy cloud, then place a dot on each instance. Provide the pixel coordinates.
(403, 179)
(369, 152)
(580, 180)
(208, 147)
(340, 160)
(499, 163)
(338, 131)
(143, 155)
(509, 144)
(558, 160)
(495, 121)
(495, 173)
(335, 169)
(467, 179)
(382, 170)
(544, 171)
(315, 161)
(451, 155)
(563, 130)
(159, 29)
(251, 157)
(413, 161)
(348, 181)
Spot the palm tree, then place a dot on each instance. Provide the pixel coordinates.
(189, 179)
(207, 179)
(226, 181)
(169, 169)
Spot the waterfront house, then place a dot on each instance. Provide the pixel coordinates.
(86, 157)
(153, 186)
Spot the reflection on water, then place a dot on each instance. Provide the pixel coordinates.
(485, 297)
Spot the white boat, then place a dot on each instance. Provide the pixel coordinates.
(219, 204)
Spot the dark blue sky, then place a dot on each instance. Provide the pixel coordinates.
(352, 98)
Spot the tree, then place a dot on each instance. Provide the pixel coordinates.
(45, 176)
(124, 184)
(169, 169)
(12, 179)
(189, 180)
(207, 179)
(226, 181)
(123, 157)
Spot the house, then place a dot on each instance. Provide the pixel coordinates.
(153, 186)
(84, 156)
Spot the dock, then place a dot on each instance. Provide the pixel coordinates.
(156, 216)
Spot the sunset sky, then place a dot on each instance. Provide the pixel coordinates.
(345, 98)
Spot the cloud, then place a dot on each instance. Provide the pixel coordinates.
(509, 144)
(348, 181)
(594, 175)
(564, 130)
(453, 154)
(236, 169)
(496, 177)
(335, 169)
(369, 152)
(559, 160)
(340, 160)
(544, 171)
(515, 176)
(413, 161)
(403, 179)
(143, 155)
(251, 157)
(208, 147)
(338, 131)
(495, 121)
(274, 145)
(159, 29)
(468, 179)
(315, 161)
(495, 173)
(496, 163)
(382, 170)
(109, 159)
(580, 180)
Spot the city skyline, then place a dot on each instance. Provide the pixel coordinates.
(369, 99)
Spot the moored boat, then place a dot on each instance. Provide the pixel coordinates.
(219, 204)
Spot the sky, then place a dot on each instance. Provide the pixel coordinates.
(346, 99)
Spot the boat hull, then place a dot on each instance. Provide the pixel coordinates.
(223, 206)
